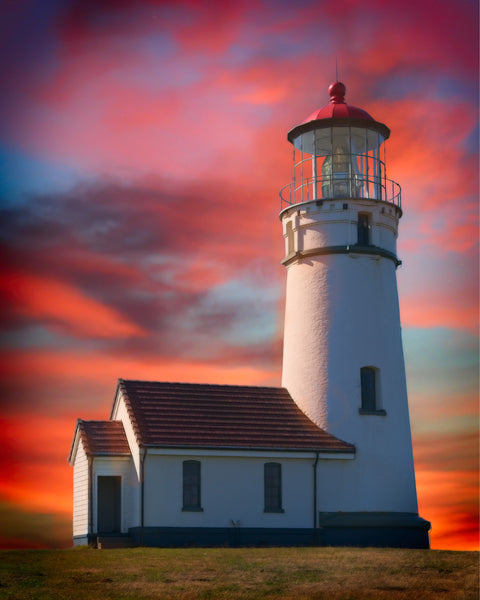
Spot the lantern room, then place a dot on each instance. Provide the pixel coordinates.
(339, 153)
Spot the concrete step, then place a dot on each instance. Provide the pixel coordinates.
(113, 541)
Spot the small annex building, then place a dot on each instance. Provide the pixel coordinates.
(181, 464)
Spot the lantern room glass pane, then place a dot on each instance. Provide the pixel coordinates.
(305, 142)
(358, 136)
(338, 162)
(323, 141)
(304, 174)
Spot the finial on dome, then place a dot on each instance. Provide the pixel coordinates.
(337, 92)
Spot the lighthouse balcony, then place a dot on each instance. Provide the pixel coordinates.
(341, 187)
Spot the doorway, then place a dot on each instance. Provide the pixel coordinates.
(109, 501)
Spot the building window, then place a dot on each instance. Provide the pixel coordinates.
(363, 229)
(369, 391)
(191, 485)
(273, 487)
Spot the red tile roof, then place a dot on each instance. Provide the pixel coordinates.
(103, 437)
(222, 416)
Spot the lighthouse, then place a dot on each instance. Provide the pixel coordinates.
(326, 459)
(343, 359)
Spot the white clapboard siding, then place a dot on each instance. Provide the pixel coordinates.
(80, 492)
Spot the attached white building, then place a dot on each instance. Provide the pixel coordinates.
(327, 458)
(182, 464)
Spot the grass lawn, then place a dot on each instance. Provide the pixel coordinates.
(238, 573)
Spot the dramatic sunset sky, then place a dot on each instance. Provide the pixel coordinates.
(142, 148)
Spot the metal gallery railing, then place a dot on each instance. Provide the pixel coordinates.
(341, 187)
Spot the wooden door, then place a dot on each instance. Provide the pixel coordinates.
(109, 504)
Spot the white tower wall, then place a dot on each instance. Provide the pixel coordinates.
(342, 314)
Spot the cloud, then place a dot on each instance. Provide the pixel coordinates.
(447, 467)
(422, 309)
(151, 250)
(50, 301)
(59, 370)
(439, 289)
(442, 375)
(454, 519)
(448, 451)
(113, 281)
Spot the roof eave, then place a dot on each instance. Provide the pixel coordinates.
(348, 450)
(331, 122)
(75, 442)
(110, 454)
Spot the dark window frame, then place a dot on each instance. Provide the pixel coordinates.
(191, 484)
(272, 477)
(363, 229)
(369, 392)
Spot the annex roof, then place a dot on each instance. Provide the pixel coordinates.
(102, 438)
(222, 416)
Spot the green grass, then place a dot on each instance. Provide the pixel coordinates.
(238, 573)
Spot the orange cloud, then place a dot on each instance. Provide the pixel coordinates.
(44, 365)
(35, 474)
(447, 473)
(449, 500)
(61, 305)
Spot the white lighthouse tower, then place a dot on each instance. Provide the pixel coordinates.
(343, 359)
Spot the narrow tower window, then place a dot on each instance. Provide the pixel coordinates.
(191, 485)
(363, 229)
(273, 487)
(367, 378)
(369, 391)
(290, 242)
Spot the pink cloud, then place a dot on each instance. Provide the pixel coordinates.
(421, 310)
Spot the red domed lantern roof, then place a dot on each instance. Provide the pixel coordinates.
(338, 108)
(338, 112)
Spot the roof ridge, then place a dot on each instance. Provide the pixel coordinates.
(203, 384)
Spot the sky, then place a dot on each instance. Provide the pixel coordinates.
(142, 149)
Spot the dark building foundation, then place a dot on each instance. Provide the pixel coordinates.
(387, 530)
